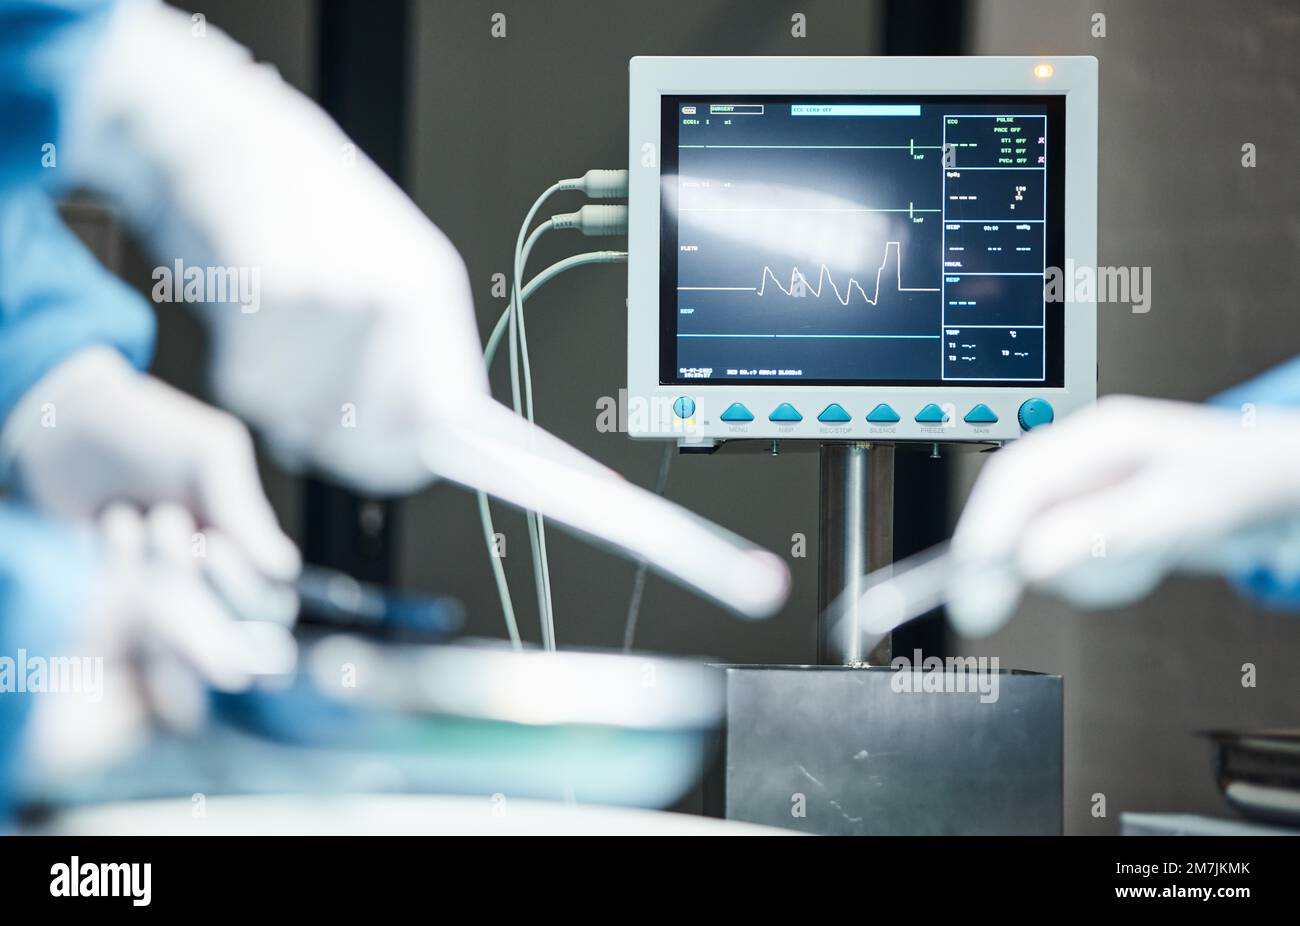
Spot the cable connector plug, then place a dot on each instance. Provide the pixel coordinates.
(599, 184)
(594, 220)
(605, 184)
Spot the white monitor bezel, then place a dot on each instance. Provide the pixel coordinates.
(651, 402)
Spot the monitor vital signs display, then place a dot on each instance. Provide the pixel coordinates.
(861, 240)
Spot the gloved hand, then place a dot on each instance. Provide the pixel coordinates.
(350, 332)
(1099, 507)
(93, 431)
(355, 347)
(162, 623)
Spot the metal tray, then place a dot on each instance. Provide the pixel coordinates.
(1258, 772)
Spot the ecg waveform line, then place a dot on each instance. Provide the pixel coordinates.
(824, 277)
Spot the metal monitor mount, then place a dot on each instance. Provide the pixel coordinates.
(856, 518)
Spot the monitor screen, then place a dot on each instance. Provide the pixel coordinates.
(861, 240)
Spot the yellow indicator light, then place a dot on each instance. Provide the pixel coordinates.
(1043, 71)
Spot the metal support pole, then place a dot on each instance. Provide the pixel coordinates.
(856, 511)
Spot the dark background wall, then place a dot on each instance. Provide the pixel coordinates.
(1183, 84)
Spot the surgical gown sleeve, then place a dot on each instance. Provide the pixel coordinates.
(56, 298)
(1279, 387)
(43, 46)
(46, 571)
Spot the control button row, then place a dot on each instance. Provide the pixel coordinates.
(1032, 414)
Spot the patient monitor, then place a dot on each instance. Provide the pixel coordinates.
(856, 249)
